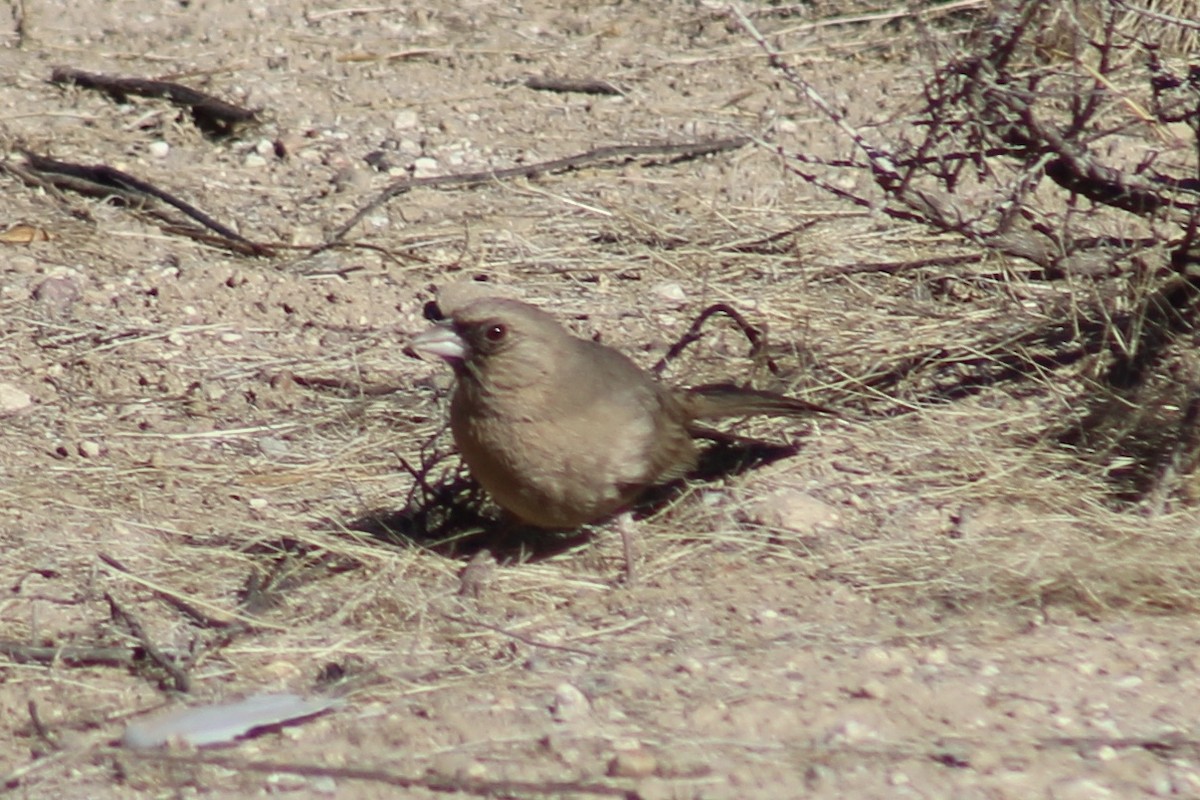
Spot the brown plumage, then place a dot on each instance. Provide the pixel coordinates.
(562, 431)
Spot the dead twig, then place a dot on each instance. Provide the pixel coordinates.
(756, 337)
(101, 180)
(39, 727)
(896, 267)
(179, 676)
(187, 609)
(528, 640)
(577, 85)
(480, 788)
(614, 156)
(211, 114)
(72, 655)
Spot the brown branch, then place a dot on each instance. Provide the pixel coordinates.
(211, 114)
(73, 655)
(615, 155)
(896, 267)
(101, 180)
(39, 727)
(178, 675)
(580, 85)
(187, 609)
(756, 337)
(1075, 170)
(883, 163)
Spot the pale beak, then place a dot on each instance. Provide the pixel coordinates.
(442, 342)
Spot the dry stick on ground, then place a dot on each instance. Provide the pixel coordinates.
(905, 12)
(896, 267)
(757, 339)
(179, 604)
(529, 640)
(101, 180)
(227, 631)
(39, 727)
(72, 655)
(212, 115)
(482, 788)
(601, 156)
(179, 676)
(578, 85)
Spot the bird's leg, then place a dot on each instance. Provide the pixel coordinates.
(625, 528)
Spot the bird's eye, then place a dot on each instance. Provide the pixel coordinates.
(496, 333)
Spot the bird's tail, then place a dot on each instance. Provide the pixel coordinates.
(717, 401)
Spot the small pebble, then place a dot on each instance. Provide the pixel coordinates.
(13, 399)
(58, 293)
(632, 764)
(273, 447)
(672, 294)
(853, 731)
(938, 657)
(323, 784)
(985, 761)
(872, 690)
(425, 166)
(405, 119)
(569, 703)
(792, 510)
(288, 144)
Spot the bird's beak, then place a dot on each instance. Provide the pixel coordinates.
(442, 342)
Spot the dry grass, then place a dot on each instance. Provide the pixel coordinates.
(245, 452)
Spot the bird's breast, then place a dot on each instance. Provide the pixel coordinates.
(554, 467)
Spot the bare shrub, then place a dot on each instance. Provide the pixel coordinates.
(1062, 140)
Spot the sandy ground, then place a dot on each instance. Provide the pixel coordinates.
(191, 433)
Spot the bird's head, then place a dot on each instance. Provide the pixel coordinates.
(496, 343)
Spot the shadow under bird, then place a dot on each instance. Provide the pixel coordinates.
(563, 431)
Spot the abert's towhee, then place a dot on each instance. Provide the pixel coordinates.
(562, 431)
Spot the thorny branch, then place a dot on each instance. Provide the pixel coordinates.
(1027, 144)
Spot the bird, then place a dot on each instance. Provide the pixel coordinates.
(563, 431)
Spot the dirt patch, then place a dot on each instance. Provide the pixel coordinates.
(914, 605)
